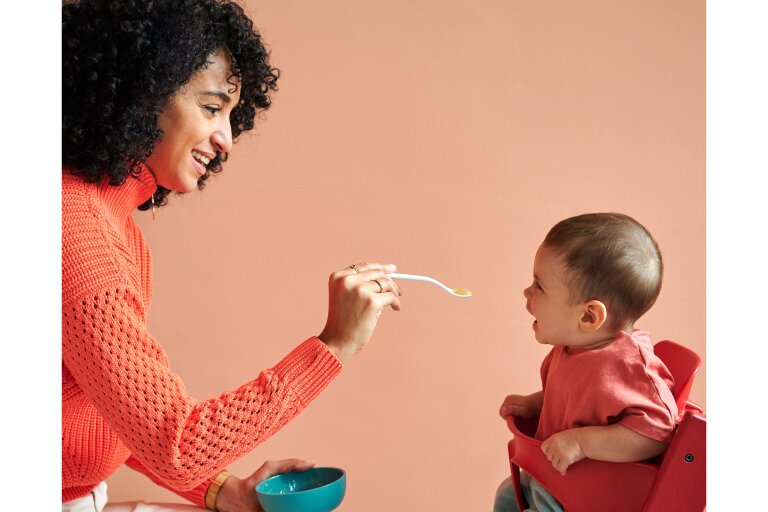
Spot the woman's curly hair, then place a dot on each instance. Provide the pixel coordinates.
(123, 61)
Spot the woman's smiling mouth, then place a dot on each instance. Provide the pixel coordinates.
(201, 161)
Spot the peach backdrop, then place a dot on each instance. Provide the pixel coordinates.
(446, 137)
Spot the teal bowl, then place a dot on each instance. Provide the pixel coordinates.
(314, 490)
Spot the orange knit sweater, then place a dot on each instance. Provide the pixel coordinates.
(121, 403)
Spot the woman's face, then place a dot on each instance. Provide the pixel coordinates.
(195, 126)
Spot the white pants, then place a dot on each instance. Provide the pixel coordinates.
(96, 501)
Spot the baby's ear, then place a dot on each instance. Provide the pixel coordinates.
(594, 315)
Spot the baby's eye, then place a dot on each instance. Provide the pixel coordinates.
(536, 285)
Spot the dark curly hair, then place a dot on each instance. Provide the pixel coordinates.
(124, 60)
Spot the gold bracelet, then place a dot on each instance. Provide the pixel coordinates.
(213, 489)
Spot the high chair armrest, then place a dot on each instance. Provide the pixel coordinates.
(690, 406)
(588, 485)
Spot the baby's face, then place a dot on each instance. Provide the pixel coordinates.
(547, 299)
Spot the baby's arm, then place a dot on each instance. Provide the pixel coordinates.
(612, 443)
(523, 406)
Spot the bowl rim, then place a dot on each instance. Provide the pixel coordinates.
(341, 476)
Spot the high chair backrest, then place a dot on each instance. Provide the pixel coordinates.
(683, 363)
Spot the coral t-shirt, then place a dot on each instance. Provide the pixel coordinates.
(623, 382)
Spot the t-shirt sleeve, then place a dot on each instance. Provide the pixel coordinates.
(649, 405)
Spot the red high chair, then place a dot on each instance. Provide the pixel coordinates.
(676, 483)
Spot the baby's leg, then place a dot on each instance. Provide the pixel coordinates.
(537, 496)
(505, 497)
(539, 500)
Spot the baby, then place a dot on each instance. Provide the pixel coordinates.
(605, 395)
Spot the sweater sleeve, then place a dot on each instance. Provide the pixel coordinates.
(196, 495)
(180, 441)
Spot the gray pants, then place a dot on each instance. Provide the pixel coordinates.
(539, 500)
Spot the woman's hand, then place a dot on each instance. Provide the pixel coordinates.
(356, 297)
(239, 495)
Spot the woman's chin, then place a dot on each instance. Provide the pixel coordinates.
(182, 187)
(189, 188)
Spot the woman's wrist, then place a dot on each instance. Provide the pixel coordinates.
(214, 489)
(337, 349)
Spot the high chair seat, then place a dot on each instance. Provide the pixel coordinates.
(676, 483)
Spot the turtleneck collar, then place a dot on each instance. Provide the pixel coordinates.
(135, 191)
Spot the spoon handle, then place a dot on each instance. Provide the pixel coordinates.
(414, 277)
(461, 292)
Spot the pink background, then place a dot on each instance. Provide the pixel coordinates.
(446, 137)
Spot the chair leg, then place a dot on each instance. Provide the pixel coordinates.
(521, 503)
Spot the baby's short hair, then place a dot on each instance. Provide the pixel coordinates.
(612, 258)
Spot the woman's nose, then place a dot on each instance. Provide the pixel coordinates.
(222, 138)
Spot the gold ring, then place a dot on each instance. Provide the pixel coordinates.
(381, 288)
(354, 267)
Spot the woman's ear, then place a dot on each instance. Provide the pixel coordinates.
(594, 315)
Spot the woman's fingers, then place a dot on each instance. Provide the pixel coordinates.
(357, 294)
(276, 467)
(368, 276)
(376, 280)
(365, 273)
(385, 299)
(382, 284)
(363, 266)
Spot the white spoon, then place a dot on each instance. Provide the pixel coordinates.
(458, 292)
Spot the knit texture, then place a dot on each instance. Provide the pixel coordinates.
(121, 403)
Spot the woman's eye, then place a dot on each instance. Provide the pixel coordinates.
(211, 108)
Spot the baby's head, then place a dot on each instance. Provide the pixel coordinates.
(594, 275)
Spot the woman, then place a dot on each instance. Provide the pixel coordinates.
(154, 94)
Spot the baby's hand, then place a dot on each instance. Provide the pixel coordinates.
(563, 449)
(516, 405)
